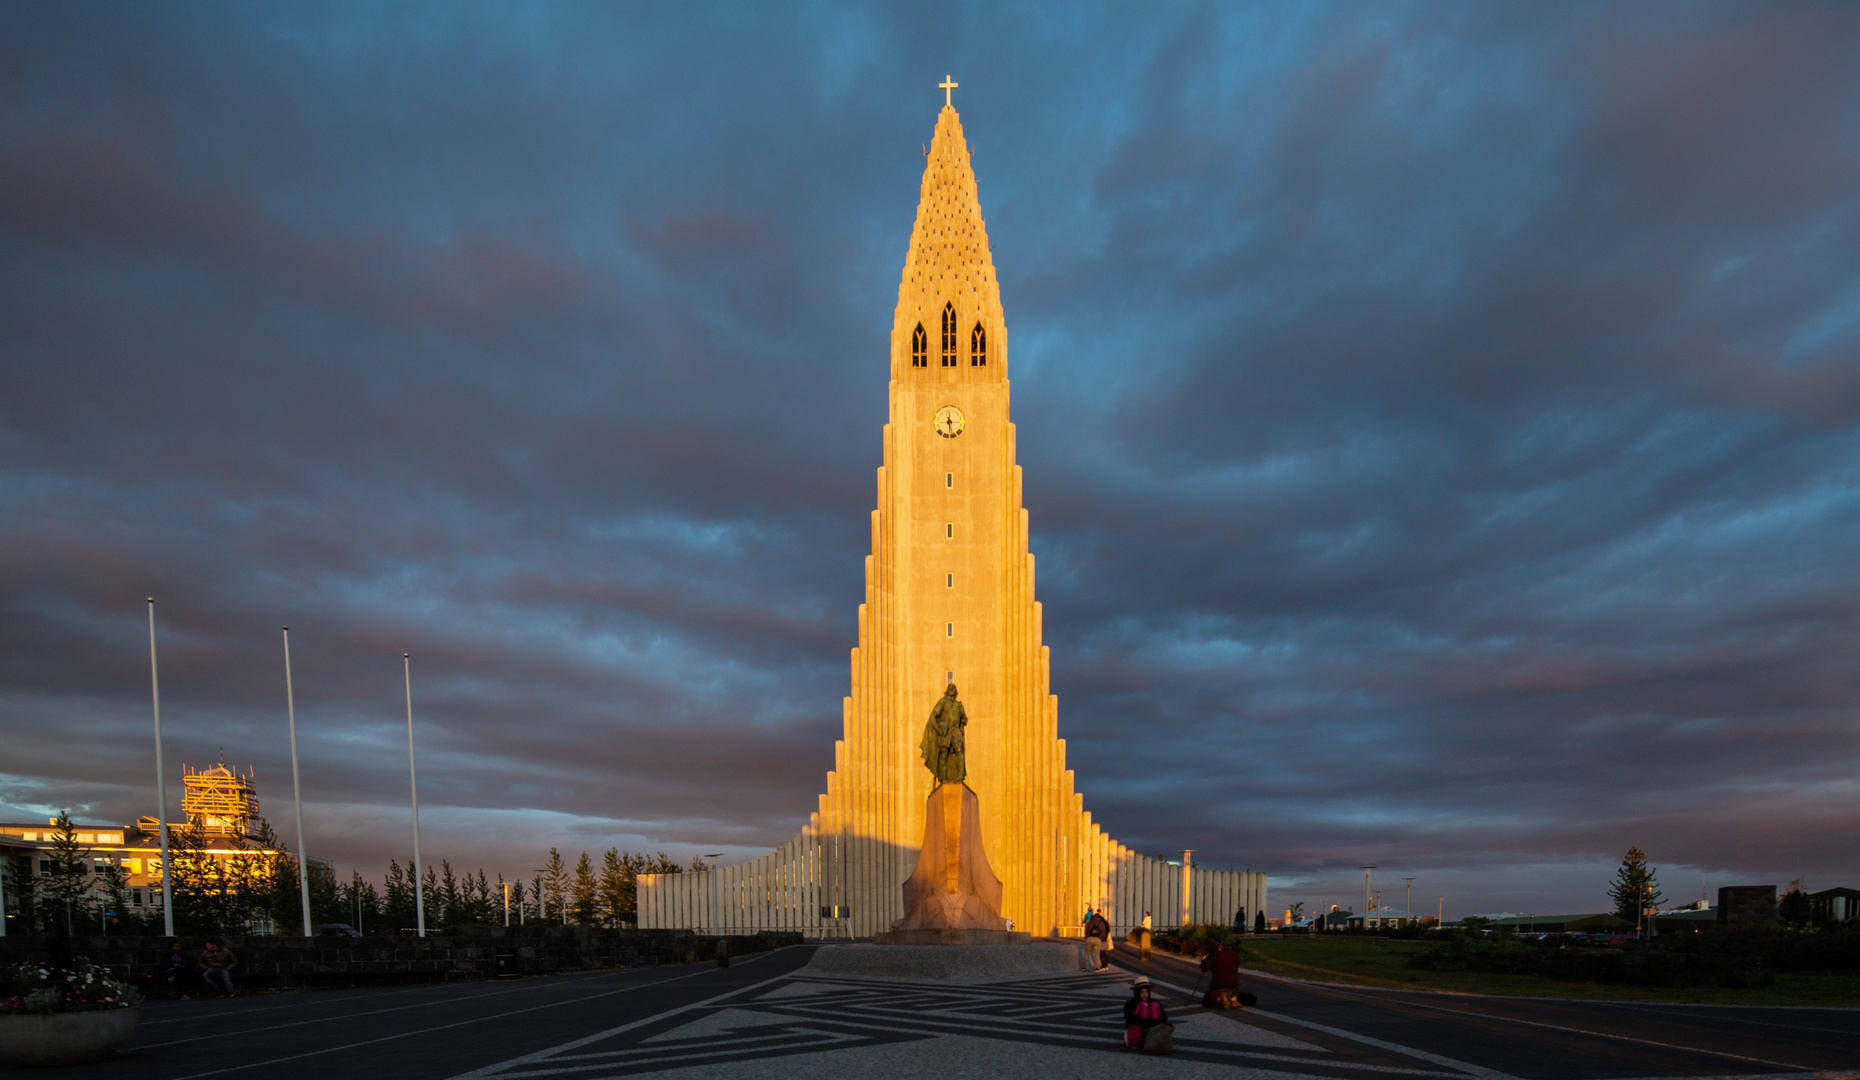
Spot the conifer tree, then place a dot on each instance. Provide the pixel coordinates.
(398, 901)
(448, 899)
(1635, 888)
(555, 879)
(67, 880)
(587, 901)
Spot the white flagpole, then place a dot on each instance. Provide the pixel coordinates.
(297, 789)
(413, 781)
(161, 787)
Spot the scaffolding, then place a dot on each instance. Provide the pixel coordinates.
(220, 801)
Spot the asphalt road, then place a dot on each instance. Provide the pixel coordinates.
(619, 1023)
(1539, 1039)
(408, 1033)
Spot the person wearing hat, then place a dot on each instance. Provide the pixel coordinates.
(1146, 1025)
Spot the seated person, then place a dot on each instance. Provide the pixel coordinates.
(216, 968)
(175, 970)
(1141, 1013)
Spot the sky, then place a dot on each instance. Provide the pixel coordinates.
(1441, 423)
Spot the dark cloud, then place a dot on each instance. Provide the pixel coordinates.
(1439, 422)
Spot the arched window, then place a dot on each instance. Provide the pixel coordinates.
(920, 347)
(949, 335)
(978, 347)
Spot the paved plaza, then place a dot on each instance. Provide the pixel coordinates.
(1020, 1012)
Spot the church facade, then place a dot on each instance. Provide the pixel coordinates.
(949, 597)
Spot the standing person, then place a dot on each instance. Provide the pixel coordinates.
(1097, 937)
(174, 969)
(1223, 989)
(1086, 955)
(1142, 1013)
(1240, 920)
(216, 968)
(1143, 936)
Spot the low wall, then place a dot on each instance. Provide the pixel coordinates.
(274, 962)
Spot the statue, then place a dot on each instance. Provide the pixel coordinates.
(953, 896)
(942, 747)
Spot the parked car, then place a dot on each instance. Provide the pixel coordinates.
(335, 929)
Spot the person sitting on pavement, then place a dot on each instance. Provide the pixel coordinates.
(216, 968)
(1141, 1013)
(175, 969)
(1097, 941)
(1223, 989)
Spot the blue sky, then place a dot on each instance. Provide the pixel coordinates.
(1439, 422)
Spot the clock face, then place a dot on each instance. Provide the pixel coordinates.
(948, 422)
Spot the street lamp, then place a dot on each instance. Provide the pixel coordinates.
(1366, 871)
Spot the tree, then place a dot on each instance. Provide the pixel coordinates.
(67, 885)
(620, 872)
(446, 897)
(587, 902)
(1794, 908)
(398, 899)
(555, 877)
(1635, 888)
(516, 897)
(539, 894)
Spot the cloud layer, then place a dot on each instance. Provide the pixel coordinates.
(1440, 423)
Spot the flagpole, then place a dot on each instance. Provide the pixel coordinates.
(413, 782)
(161, 787)
(297, 790)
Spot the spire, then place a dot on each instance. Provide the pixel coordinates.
(949, 265)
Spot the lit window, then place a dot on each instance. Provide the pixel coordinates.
(978, 347)
(949, 335)
(920, 347)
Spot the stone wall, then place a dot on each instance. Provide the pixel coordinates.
(274, 962)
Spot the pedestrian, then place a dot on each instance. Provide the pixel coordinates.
(216, 968)
(1143, 936)
(113, 928)
(1085, 953)
(1146, 1024)
(174, 969)
(1098, 941)
(1240, 921)
(1223, 989)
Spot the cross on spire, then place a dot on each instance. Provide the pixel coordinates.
(946, 86)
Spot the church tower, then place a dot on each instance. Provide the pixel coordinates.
(949, 596)
(949, 584)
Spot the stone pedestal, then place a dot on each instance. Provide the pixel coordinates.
(953, 897)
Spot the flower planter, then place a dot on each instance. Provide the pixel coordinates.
(68, 1038)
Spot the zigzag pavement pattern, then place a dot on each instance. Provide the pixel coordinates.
(806, 1025)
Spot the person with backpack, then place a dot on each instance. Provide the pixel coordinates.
(1097, 939)
(1146, 1023)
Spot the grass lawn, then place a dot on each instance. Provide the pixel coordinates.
(1382, 962)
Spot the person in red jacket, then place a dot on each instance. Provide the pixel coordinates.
(1223, 989)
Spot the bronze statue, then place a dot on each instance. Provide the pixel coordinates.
(942, 747)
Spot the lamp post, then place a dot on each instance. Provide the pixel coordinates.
(1366, 871)
(1408, 907)
(506, 886)
(413, 782)
(161, 789)
(297, 790)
